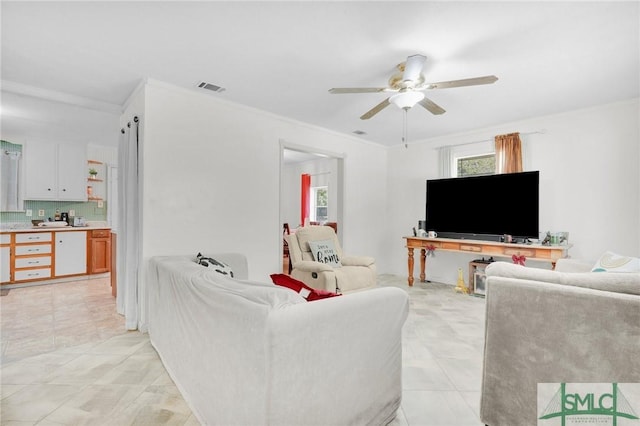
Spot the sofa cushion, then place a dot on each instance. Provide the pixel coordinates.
(325, 252)
(612, 262)
(301, 288)
(606, 281)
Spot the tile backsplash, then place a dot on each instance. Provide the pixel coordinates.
(88, 210)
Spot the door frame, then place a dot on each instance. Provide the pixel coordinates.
(340, 157)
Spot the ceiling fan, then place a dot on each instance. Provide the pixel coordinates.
(409, 83)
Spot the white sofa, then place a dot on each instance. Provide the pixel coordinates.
(250, 353)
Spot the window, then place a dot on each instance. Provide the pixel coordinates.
(476, 165)
(319, 204)
(474, 159)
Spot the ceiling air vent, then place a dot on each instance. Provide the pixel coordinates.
(209, 86)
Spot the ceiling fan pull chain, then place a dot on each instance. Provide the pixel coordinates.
(404, 127)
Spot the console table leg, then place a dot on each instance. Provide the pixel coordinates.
(410, 264)
(423, 261)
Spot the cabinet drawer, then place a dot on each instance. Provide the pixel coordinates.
(100, 233)
(32, 262)
(33, 249)
(520, 252)
(33, 237)
(5, 238)
(32, 274)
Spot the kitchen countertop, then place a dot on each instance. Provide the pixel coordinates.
(52, 228)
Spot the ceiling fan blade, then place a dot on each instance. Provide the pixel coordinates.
(376, 109)
(432, 107)
(413, 67)
(488, 79)
(341, 90)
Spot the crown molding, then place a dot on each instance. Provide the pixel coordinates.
(55, 96)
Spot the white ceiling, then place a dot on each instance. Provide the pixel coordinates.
(283, 57)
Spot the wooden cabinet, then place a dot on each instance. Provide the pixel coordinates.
(71, 253)
(55, 172)
(32, 256)
(99, 251)
(44, 255)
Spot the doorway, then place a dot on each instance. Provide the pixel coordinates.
(326, 171)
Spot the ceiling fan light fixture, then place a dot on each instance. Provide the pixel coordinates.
(406, 100)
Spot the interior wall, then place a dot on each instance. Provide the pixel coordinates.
(212, 179)
(589, 184)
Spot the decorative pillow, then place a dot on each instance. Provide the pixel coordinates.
(325, 252)
(611, 262)
(301, 288)
(218, 266)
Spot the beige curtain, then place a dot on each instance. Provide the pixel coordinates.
(508, 153)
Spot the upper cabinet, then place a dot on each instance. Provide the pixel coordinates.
(55, 172)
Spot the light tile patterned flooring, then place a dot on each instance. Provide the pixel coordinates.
(66, 359)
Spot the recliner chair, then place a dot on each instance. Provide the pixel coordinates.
(356, 272)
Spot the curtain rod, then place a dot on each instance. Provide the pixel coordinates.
(542, 131)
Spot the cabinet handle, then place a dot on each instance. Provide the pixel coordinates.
(33, 275)
(33, 249)
(64, 190)
(48, 189)
(33, 238)
(34, 262)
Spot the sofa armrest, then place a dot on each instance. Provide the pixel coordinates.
(357, 261)
(311, 266)
(349, 347)
(538, 332)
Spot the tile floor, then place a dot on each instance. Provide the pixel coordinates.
(66, 359)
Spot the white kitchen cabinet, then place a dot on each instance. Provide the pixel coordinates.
(5, 258)
(5, 264)
(70, 253)
(55, 171)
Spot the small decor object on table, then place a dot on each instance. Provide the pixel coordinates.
(93, 173)
(460, 287)
(431, 250)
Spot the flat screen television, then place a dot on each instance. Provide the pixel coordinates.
(484, 207)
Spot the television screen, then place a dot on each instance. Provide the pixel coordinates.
(484, 207)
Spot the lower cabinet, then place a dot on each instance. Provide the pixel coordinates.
(99, 251)
(71, 253)
(33, 256)
(5, 264)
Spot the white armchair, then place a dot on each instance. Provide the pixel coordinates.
(356, 272)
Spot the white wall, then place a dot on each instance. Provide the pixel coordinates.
(589, 184)
(212, 179)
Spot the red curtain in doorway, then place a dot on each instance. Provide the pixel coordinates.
(305, 195)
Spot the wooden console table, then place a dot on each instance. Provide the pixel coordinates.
(484, 248)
